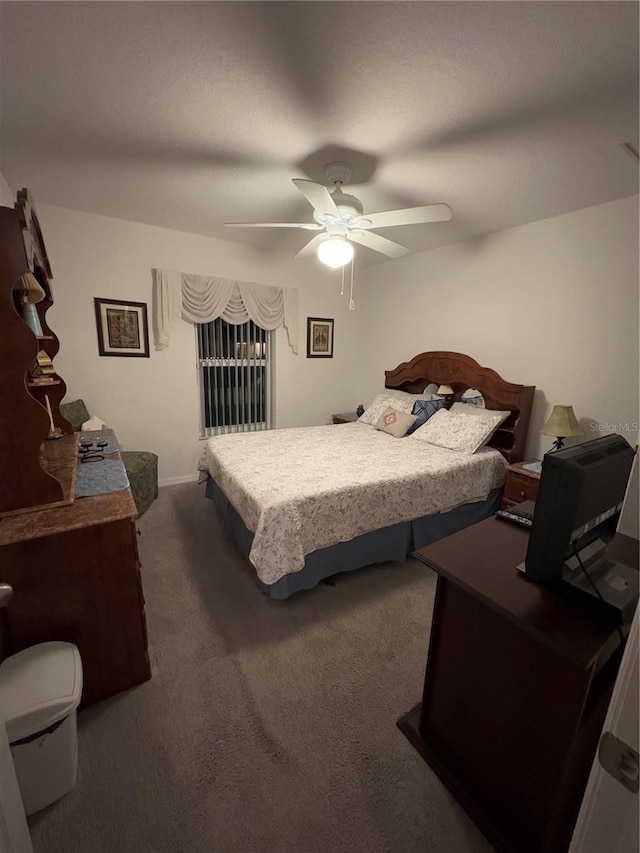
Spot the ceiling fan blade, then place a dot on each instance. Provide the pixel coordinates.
(377, 243)
(318, 196)
(309, 226)
(407, 216)
(311, 246)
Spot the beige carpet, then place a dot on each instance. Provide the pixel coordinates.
(268, 727)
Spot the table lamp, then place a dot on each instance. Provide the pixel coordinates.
(562, 423)
(445, 391)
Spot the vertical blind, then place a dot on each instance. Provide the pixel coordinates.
(235, 376)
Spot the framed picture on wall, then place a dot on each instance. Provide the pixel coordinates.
(319, 337)
(122, 328)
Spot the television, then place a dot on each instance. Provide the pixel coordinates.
(580, 497)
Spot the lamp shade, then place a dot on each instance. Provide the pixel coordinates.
(444, 390)
(562, 422)
(335, 252)
(30, 289)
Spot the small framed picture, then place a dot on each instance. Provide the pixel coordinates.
(319, 337)
(122, 328)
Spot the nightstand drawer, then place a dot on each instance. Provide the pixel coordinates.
(519, 487)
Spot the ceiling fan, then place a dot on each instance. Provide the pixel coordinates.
(340, 222)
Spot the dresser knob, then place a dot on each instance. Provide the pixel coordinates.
(6, 594)
(521, 494)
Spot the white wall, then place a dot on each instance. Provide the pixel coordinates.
(153, 404)
(552, 304)
(7, 196)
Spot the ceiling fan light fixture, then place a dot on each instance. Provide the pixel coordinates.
(340, 216)
(335, 252)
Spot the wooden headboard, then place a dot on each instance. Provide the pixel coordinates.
(462, 372)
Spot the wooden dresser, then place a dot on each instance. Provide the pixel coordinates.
(75, 574)
(516, 688)
(73, 564)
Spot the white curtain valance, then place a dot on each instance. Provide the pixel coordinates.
(201, 299)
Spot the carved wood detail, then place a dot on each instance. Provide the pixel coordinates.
(32, 235)
(56, 393)
(24, 422)
(462, 372)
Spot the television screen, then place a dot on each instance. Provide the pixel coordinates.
(580, 497)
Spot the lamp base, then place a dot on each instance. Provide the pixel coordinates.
(558, 444)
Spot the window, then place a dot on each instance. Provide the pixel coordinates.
(235, 376)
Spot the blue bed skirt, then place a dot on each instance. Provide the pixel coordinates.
(388, 544)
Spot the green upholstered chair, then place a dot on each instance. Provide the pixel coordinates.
(141, 465)
(76, 413)
(142, 471)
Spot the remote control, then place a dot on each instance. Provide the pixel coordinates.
(516, 515)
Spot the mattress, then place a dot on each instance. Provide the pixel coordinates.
(303, 489)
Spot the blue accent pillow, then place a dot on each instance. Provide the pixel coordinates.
(472, 398)
(423, 409)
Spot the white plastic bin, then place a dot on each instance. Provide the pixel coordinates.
(40, 690)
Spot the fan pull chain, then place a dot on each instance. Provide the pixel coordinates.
(342, 291)
(352, 304)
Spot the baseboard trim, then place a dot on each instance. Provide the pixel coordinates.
(175, 481)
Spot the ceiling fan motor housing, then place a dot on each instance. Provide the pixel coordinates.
(339, 174)
(348, 205)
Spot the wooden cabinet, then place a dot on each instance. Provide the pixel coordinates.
(516, 689)
(520, 485)
(73, 564)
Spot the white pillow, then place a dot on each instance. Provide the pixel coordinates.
(472, 397)
(95, 422)
(395, 423)
(431, 389)
(382, 402)
(478, 411)
(458, 431)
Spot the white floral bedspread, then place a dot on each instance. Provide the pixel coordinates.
(302, 489)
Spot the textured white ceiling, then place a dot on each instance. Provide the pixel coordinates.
(187, 115)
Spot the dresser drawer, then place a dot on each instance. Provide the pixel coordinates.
(519, 487)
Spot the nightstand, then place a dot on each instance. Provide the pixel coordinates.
(345, 418)
(520, 485)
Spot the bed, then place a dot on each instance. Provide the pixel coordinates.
(304, 504)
